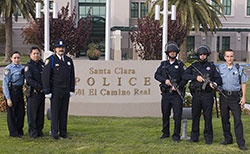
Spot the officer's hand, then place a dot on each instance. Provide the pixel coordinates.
(199, 78)
(242, 102)
(173, 88)
(71, 94)
(48, 95)
(9, 102)
(212, 85)
(167, 82)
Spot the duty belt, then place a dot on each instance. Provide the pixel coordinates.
(37, 91)
(16, 87)
(229, 93)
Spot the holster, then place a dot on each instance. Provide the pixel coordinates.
(28, 90)
(164, 88)
(191, 88)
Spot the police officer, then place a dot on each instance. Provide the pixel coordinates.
(202, 93)
(13, 80)
(171, 70)
(234, 87)
(58, 80)
(35, 94)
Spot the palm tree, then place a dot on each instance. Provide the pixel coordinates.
(12, 8)
(196, 15)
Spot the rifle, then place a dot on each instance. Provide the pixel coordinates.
(175, 85)
(207, 80)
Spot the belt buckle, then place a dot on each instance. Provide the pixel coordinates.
(229, 92)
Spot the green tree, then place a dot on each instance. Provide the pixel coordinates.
(10, 9)
(195, 15)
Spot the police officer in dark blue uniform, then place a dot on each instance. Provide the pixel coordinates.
(171, 70)
(13, 80)
(58, 80)
(202, 93)
(234, 86)
(35, 94)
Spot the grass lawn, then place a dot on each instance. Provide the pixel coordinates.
(112, 135)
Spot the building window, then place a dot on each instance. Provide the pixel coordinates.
(218, 44)
(94, 7)
(92, 1)
(19, 12)
(138, 9)
(247, 43)
(144, 9)
(225, 43)
(50, 5)
(248, 7)
(227, 7)
(134, 10)
(216, 6)
(190, 43)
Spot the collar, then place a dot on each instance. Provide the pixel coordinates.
(13, 65)
(59, 57)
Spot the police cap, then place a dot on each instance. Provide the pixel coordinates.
(59, 43)
(171, 46)
(203, 49)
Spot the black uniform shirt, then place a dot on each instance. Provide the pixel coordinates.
(32, 73)
(58, 73)
(207, 68)
(175, 70)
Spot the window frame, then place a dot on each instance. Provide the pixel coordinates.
(227, 7)
(190, 43)
(134, 9)
(225, 43)
(143, 9)
(248, 8)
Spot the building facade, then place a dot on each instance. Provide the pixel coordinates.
(124, 14)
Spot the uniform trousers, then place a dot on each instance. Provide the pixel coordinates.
(227, 104)
(168, 102)
(59, 111)
(35, 112)
(15, 114)
(202, 101)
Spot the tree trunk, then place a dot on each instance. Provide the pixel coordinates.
(8, 36)
(183, 51)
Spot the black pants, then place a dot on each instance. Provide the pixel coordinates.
(15, 114)
(168, 102)
(227, 104)
(202, 101)
(59, 111)
(35, 108)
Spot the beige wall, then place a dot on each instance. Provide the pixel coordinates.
(116, 88)
(120, 13)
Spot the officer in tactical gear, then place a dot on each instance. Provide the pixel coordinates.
(169, 74)
(202, 93)
(58, 80)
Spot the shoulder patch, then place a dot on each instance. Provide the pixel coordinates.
(6, 72)
(46, 62)
(26, 68)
